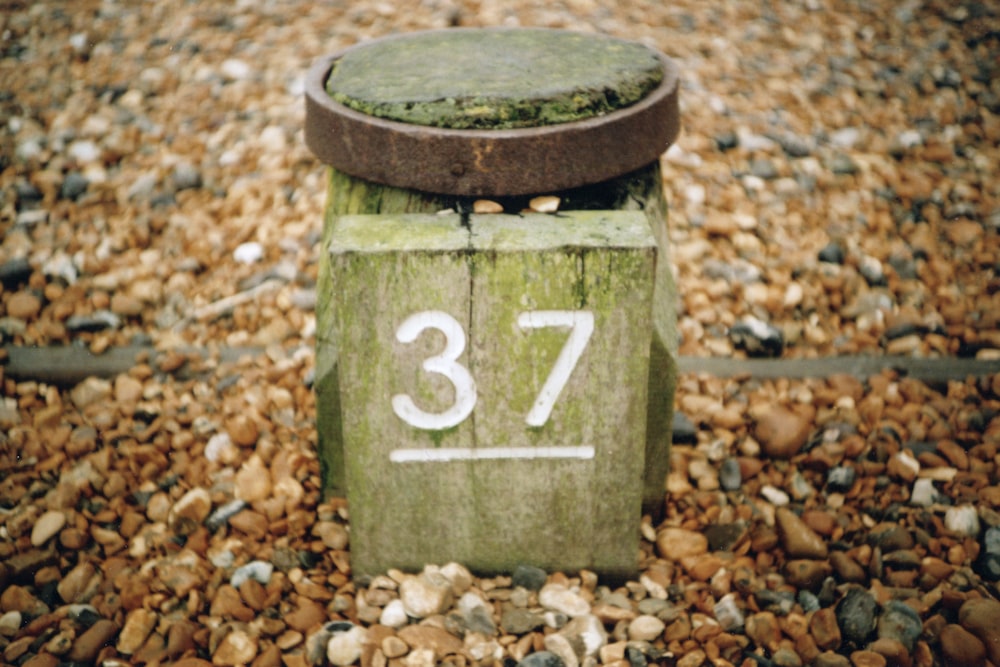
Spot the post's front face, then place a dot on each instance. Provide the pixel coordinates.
(493, 383)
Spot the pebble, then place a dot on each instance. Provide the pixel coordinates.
(900, 622)
(529, 577)
(798, 539)
(23, 306)
(439, 641)
(961, 648)
(962, 520)
(923, 494)
(559, 598)
(46, 527)
(856, 616)
(981, 617)
(248, 253)
(345, 646)
(394, 615)
(138, 624)
(677, 544)
(236, 648)
(757, 338)
(541, 659)
(426, 594)
(781, 432)
(257, 570)
(645, 628)
(730, 476)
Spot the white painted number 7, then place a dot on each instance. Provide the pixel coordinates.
(581, 326)
(579, 322)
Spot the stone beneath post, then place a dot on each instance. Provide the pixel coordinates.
(493, 387)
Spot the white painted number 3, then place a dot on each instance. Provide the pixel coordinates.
(581, 327)
(444, 364)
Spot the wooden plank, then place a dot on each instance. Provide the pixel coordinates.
(513, 479)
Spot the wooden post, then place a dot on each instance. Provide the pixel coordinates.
(587, 129)
(493, 386)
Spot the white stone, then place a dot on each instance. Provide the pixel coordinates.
(426, 594)
(774, 495)
(257, 570)
(923, 494)
(344, 648)
(557, 597)
(219, 448)
(84, 151)
(421, 657)
(562, 647)
(46, 527)
(459, 576)
(10, 623)
(645, 628)
(235, 69)
(394, 615)
(250, 252)
(728, 614)
(962, 520)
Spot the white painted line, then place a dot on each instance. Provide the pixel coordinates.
(487, 453)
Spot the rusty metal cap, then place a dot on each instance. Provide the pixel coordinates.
(489, 162)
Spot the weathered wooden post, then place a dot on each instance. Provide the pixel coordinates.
(494, 389)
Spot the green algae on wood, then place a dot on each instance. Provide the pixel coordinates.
(494, 78)
(489, 509)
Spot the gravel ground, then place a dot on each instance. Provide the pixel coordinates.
(834, 191)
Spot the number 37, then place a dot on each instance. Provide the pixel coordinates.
(579, 322)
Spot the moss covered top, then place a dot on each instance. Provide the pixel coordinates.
(494, 79)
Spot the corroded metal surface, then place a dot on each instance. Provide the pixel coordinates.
(489, 162)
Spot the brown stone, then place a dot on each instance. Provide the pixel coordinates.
(678, 543)
(798, 539)
(242, 430)
(79, 584)
(846, 567)
(764, 630)
(981, 617)
(824, 629)
(306, 616)
(780, 431)
(23, 306)
(961, 648)
(868, 659)
(228, 605)
(88, 645)
(254, 524)
(138, 624)
(236, 648)
(41, 660)
(807, 574)
(438, 640)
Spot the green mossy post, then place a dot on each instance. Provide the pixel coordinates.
(493, 491)
(534, 83)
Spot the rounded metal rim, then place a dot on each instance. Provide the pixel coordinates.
(505, 162)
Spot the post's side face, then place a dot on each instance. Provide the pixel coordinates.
(493, 383)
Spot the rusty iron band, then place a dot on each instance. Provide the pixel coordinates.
(483, 163)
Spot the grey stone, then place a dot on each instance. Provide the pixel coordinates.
(757, 338)
(14, 272)
(73, 186)
(542, 659)
(528, 576)
(856, 616)
(258, 570)
(520, 621)
(223, 513)
(730, 477)
(901, 622)
(841, 478)
(832, 253)
(186, 176)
